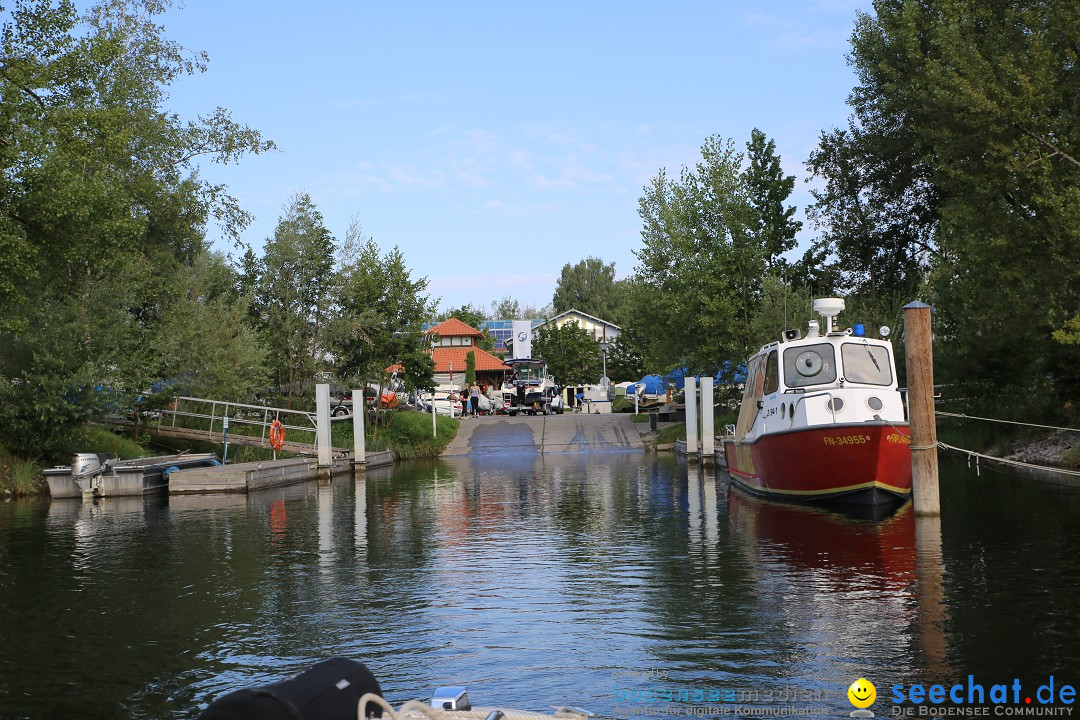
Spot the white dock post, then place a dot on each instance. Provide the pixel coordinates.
(359, 441)
(708, 428)
(322, 423)
(690, 388)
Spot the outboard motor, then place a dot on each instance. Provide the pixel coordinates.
(87, 468)
(84, 465)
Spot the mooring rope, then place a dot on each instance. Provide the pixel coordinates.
(1017, 463)
(415, 709)
(1010, 422)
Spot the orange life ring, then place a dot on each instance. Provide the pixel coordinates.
(277, 435)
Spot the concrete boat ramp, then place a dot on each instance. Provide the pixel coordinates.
(545, 434)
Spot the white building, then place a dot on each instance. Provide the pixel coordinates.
(597, 327)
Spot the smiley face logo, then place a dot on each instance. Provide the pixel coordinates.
(862, 693)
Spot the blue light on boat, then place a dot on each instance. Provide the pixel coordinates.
(860, 330)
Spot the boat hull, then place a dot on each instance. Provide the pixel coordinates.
(859, 464)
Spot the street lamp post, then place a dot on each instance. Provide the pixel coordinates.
(604, 345)
(434, 431)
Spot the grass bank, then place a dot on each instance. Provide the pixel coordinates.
(406, 434)
(22, 476)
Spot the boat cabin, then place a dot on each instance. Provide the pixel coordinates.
(835, 377)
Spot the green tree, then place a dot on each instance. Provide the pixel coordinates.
(510, 309)
(382, 310)
(205, 344)
(625, 359)
(877, 216)
(470, 369)
(294, 295)
(782, 307)
(572, 355)
(772, 221)
(960, 166)
(700, 267)
(100, 203)
(590, 287)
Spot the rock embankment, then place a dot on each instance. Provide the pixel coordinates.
(1051, 450)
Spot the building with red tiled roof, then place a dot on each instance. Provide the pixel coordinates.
(453, 328)
(456, 340)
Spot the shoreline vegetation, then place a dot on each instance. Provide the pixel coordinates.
(407, 436)
(947, 184)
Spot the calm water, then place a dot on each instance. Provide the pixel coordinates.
(535, 582)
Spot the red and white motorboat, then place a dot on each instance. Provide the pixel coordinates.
(822, 419)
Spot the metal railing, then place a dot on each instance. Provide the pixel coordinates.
(209, 415)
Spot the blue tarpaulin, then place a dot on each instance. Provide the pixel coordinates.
(654, 384)
(727, 375)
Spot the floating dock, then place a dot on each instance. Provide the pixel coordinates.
(251, 476)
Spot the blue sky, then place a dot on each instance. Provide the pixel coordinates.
(495, 142)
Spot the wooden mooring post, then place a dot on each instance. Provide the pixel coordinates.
(919, 352)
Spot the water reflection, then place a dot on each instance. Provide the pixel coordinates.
(932, 614)
(531, 580)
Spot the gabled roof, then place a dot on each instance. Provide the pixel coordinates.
(485, 361)
(454, 328)
(587, 316)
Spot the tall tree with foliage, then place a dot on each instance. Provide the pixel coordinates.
(625, 360)
(382, 311)
(590, 287)
(510, 309)
(100, 203)
(768, 189)
(470, 369)
(207, 348)
(700, 266)
(572, 354)
(294, 295)
(962, 162)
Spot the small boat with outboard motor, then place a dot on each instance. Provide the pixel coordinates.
(822, 418)
(100, 475)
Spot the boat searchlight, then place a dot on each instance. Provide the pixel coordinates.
(828, 308)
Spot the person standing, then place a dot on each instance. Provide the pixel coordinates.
(474, 398)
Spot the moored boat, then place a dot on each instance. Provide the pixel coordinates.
(822, 418)
(92, 475)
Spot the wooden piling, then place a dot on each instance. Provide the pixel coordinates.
(919, 352)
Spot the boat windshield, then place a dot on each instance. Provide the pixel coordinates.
(531, 373)
(866, 363)
(809, 365)
(772, 374)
